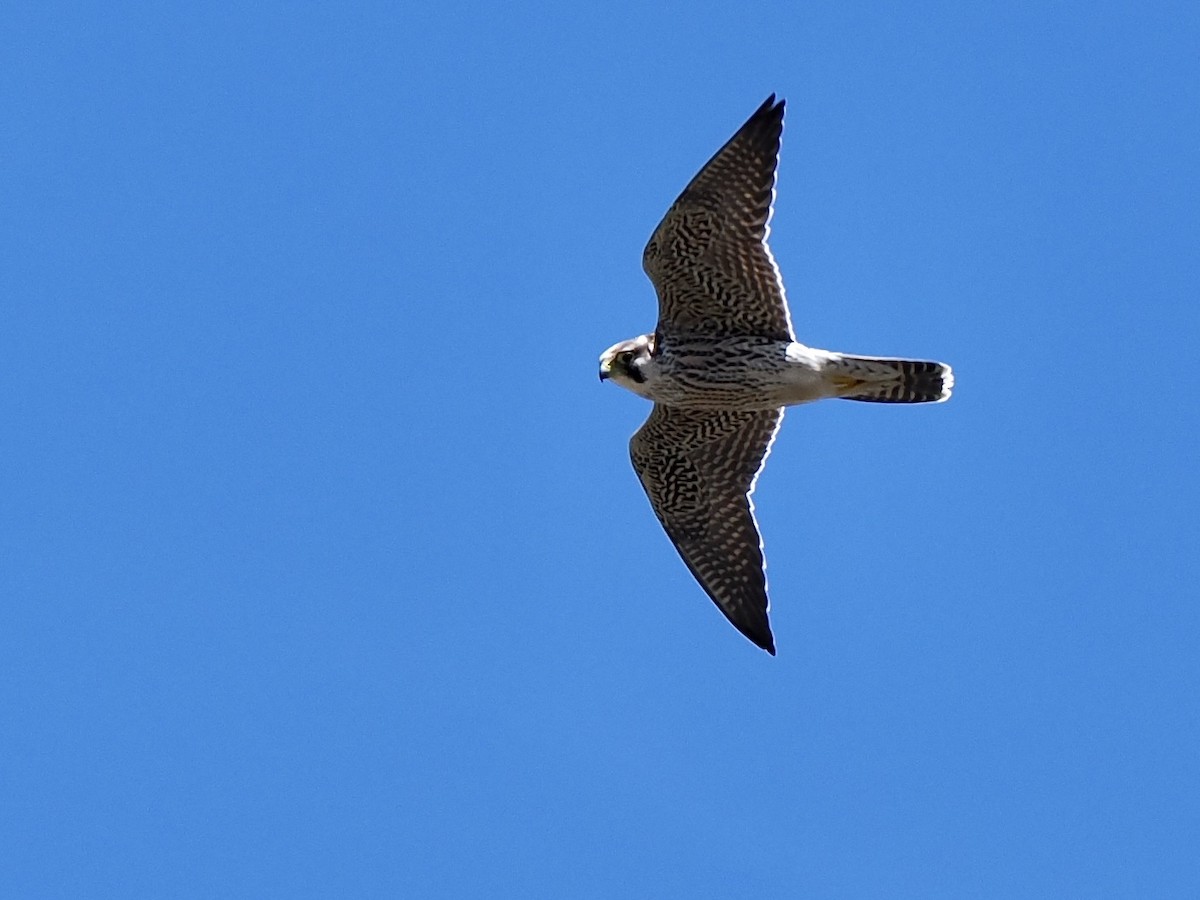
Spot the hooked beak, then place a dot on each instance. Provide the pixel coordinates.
(605, 373)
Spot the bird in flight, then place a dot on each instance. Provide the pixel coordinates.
(722, 364)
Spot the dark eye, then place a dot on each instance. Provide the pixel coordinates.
(627, 356)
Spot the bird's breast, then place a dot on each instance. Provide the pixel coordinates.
(734, 373)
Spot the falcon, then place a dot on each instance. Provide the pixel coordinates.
(722, 364)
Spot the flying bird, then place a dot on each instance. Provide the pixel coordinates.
(722, 364)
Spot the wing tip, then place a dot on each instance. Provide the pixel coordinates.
(771, 106)
(759, 637)
(766, 121)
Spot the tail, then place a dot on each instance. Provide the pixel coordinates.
(880, 380)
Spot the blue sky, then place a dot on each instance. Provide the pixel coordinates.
(324, 571)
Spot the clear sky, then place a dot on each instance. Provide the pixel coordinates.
(323, 569)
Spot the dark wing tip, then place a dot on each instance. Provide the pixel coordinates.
(769, 109)
(764, 122)
(763, 128)
(765, 640)
(754, 627)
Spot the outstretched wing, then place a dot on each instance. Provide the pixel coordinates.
(709, 258)
(698, 468)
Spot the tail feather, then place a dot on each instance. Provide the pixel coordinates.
(875, 379)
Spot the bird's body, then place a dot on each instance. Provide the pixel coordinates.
(723, 363)
(749, 373)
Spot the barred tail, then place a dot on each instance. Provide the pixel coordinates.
(880, 380)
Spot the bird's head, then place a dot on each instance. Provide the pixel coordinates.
(626, 363)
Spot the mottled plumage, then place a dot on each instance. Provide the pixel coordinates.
(708, 258)
(723, 363)
(693, 464)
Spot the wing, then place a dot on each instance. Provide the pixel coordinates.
(699, 468)
(709, 258)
